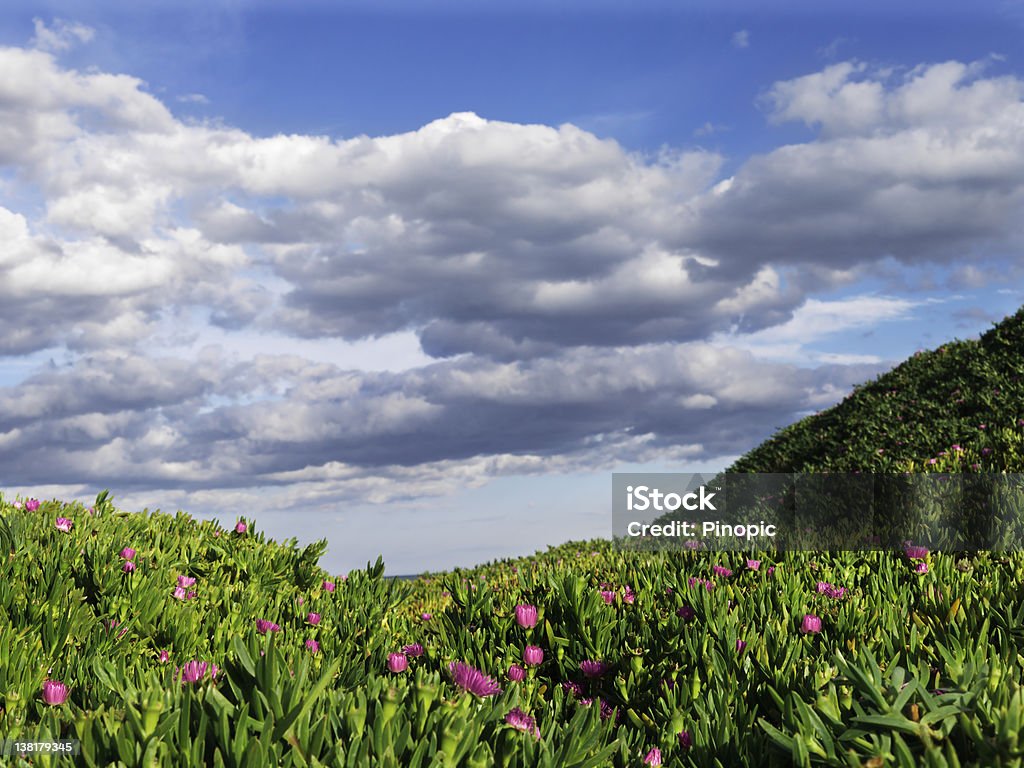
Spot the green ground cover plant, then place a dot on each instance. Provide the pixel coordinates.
(160, 639)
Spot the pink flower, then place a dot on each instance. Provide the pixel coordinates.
(627, 595)
(685, 739)
(329, 586)
(915, 552)
(516, 673)
(186, 581)
(810, 624)
(164, 657)
(54, 693)
(721, 571)
(63, 524)
(127, 553)
(526, 616)
(740, 646)
(921, 567)
(193, 671)
(413, 649)
(653, 757)
(473, 680)
(263, 626)
(522, 722)
(313, 646)
(179, 593)
(594, 668)
(828, 590)
(426, 616)
(313, 618)
(397, 662)
(686, 612)
(532, 655)
(128, 566)
(241, 527)
(609, 597)
(32, 505)
(299, 600)
(754, 565)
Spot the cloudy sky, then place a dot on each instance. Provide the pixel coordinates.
(418, 277)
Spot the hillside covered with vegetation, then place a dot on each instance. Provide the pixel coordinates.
(168, 640)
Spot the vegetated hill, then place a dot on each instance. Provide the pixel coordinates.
(956, 408)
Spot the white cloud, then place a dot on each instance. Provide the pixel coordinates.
(60, 36)
(741, 39)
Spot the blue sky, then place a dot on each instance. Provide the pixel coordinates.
(419, 277)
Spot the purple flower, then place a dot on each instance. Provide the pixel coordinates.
(754, 565)
(55, 693)
(627, 595)
(473, 680)
(413, 649)
(915, 552)
(426, 616)
(241, 527)
(313, 646)
(263, 626)
(127, 553)
(185, 581)
(693, 544)
(313, 618)
(594, 668)
(921, 567)
(653, 757)
(721, 571)
(831, 591)
(516, 673)
(32, 505)
(397, 662)
(128, 566)
(164, 657)
(609, 596)
(532, 655)
(526, 616)
(571, 687)
(63, 524)
(685, 739)
(740, 645)
(810, 624)
(193, 671)
(179, 593)
(329, 586)
(686, 612)
(522, 722)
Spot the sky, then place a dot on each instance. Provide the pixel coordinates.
(417, 278)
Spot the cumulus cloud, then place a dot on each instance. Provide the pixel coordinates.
(924, 166)
(741, 39)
